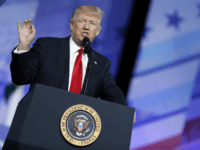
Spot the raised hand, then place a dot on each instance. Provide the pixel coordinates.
(26, 34)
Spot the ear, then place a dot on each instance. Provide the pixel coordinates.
(97, 32)
(71, 26)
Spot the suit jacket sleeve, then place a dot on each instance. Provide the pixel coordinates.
(25, 67)
(110, 91)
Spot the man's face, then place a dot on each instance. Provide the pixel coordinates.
(84, 25)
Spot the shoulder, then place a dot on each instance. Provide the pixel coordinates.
(102, 58)
(47, 44)
(49, 40)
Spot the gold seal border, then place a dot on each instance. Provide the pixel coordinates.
(92, 112)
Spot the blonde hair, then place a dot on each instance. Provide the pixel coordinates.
(88, 9)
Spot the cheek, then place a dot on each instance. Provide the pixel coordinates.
(77, 31)
(74, 28)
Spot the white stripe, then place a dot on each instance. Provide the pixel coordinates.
(164, 79)
(158, 130)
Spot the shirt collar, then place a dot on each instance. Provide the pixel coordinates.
(73, 46)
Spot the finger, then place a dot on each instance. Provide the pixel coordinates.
(30, 29)
(135, 116)
(18, 25)
(30, 26)
(24, 24)
(28, 23)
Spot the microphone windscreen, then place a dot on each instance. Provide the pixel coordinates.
(86, 41)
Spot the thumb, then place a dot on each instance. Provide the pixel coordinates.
(33, 28)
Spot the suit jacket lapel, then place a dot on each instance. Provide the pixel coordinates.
(63, 62)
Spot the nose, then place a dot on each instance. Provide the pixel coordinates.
(87, 25)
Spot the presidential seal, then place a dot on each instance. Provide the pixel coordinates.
(80, 125)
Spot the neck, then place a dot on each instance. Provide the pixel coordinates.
(78, 44)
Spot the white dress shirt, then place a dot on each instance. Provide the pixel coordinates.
(73, 54)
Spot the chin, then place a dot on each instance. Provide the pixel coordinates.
(81, 39)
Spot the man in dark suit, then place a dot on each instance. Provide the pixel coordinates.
(52, 61)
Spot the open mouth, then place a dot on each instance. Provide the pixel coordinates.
(84, 34)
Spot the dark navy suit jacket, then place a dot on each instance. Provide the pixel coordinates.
(47, 63)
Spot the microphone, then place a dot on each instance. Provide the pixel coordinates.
(88, 50)
(87, 45)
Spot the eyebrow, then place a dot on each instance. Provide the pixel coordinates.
(90, 20)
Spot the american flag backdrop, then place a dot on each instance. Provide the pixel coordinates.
(164, 88)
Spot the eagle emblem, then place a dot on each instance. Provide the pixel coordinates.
(81, 123)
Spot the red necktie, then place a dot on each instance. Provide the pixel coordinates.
(76, 81)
